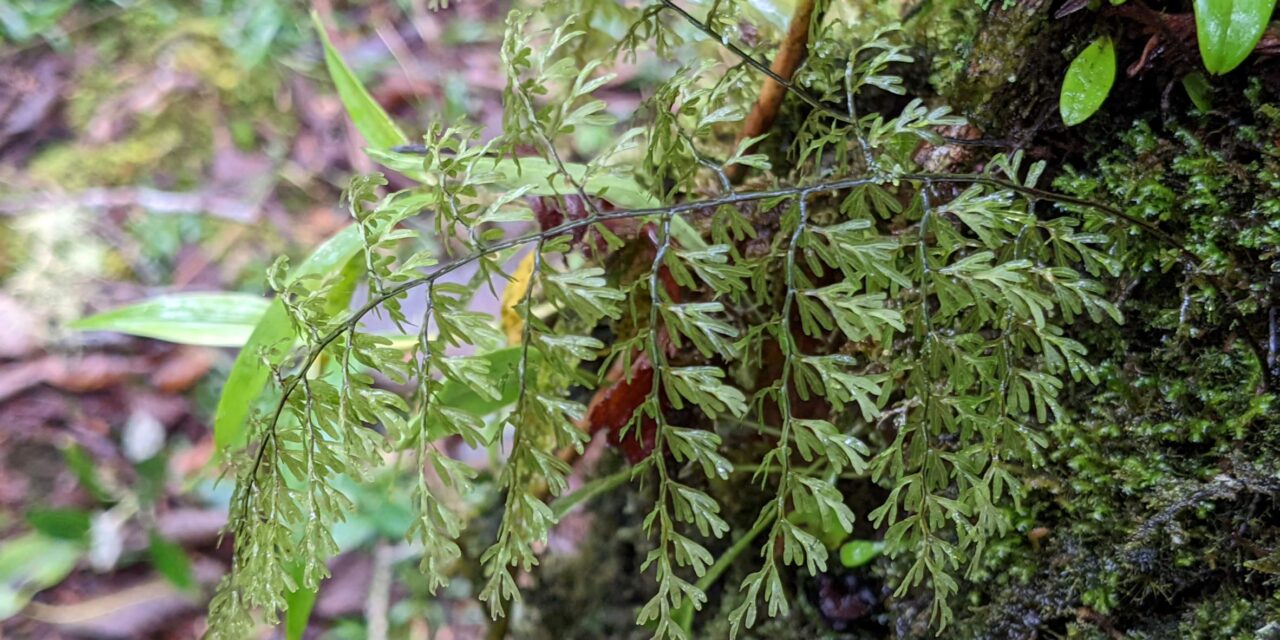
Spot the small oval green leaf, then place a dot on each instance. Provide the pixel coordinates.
(206, 319)
(1228, 30)
(856, 553)
(1088, 81)
(1199, 90)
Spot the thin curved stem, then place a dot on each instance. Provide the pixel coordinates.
(787, 343)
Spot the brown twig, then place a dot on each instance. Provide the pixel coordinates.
(790, 54)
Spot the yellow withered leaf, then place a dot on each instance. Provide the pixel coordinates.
(512, 296)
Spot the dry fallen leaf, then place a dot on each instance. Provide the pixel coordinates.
(613, 406)
(182, 369)
(513, 296)
(94, 371)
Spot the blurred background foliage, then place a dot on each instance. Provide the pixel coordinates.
(157, 146)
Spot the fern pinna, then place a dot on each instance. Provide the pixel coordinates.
(861, 316)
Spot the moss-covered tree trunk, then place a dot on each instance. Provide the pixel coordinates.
(1156, 513)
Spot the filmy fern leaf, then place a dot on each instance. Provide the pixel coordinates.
(877, 321)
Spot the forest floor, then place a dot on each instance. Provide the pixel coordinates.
(154, 147)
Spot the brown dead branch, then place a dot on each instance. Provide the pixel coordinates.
(790, 54)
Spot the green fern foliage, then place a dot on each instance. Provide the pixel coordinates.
(876, 320)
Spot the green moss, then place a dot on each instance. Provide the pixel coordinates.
(79, 166)
(1225, 616)
(1157, 507)
(593, 591)
(165, 137)
(992, 64)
